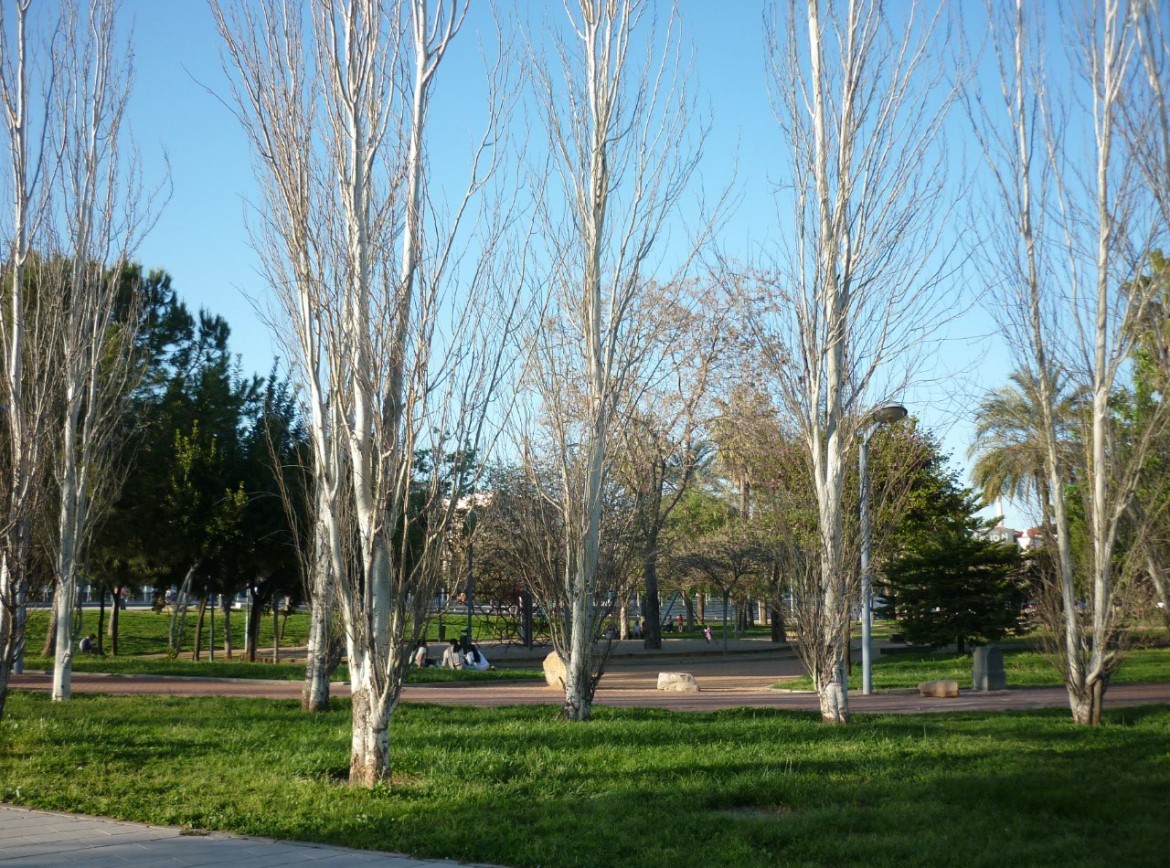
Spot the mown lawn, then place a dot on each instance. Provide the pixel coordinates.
(143, 644)
(1024, 669)
(517, 786)
(144, 632)
(279, 672)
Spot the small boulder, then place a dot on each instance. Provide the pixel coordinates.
(554, 671)
(939, 689)
(678, 682)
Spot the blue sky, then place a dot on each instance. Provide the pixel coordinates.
(201, 239)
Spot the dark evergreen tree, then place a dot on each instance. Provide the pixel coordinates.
(956, 585)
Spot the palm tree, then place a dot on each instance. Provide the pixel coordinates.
(1008, 450)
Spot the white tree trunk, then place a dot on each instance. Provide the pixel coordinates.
(64, 601)
(370, 743)
(72, 509)
(315, 696)
(65, 597)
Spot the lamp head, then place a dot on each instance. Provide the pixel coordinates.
(884, 414)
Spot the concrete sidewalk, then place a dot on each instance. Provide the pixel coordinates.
(30, 837)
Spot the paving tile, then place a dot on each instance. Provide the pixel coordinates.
(386, 861)
(69, 835)
(63, 824)
(41, 848)
(45, 862)
(7, 835)
(15, 830)
(267, 859)
(104, 858)
(41, 838)
(145, 860)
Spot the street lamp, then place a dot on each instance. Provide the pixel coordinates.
(882, 414)
(469, 524)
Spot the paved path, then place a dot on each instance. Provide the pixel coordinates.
(634, 690)
(41, 838)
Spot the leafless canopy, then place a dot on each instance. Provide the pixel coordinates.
(611, 90)
(1076, 207)
(396, 336)
(860, 99)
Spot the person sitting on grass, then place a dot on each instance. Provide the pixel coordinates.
(420, 659)
(89, 644)
(452, 657)
(476, 660)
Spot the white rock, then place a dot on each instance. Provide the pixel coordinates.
(679, 682)
(554, 671)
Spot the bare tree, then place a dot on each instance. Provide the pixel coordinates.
(25, 340)
(104, 212)
(661, 440)
(1076, 215)
(860, 99)
(391, 362)
(620, 139)
(278, 94)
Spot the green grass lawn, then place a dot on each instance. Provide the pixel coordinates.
(278, 672)
(519, 787)
(1024, 669)
(144, 635)
(144, 632)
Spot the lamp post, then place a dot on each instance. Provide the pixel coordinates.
(470, 588)
(883, 414)
(469, 524)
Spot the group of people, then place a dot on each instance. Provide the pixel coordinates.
(457, 655)
(639, 630)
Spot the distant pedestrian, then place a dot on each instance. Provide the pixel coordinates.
(707, 632)
(89, 644)
(681, 621)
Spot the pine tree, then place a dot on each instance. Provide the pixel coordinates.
(958, 586)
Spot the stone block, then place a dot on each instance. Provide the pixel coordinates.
(939, 689)
(678, 682)
(989, 673)
(554, 671)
